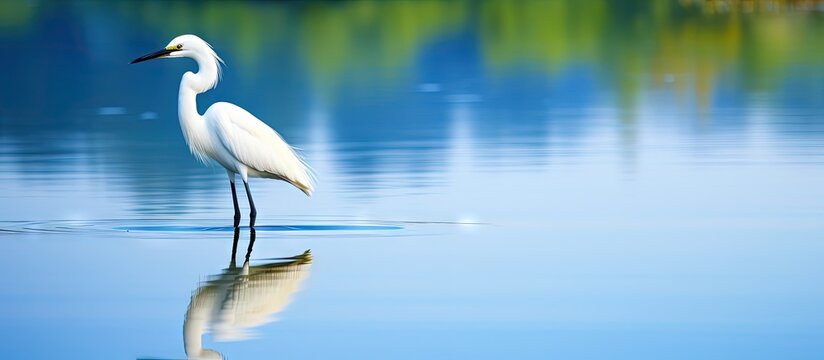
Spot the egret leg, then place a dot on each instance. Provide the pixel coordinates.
(234, 198)
(253, 212)
(234, 247)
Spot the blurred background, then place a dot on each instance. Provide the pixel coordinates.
(563, 178)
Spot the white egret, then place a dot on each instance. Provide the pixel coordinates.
(226, 133)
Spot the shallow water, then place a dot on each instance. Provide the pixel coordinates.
(496, 180)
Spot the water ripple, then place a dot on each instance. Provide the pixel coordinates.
(174, 226)
(178, 228)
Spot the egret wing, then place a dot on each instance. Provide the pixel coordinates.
(258, 146)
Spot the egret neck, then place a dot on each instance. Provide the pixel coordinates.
(191, 84)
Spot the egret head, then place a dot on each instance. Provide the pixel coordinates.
(192, 47)
(188, 45)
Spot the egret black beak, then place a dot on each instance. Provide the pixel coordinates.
(153, 55)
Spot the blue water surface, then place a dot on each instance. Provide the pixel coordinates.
(497, 179)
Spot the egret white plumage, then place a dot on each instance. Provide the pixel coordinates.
(226, 133)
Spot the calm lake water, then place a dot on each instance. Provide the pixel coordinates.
(497, 179)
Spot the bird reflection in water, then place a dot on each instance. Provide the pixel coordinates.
(231, 304)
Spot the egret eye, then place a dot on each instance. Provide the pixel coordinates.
(179, 46)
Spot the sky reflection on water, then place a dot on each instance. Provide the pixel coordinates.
(527, 179)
